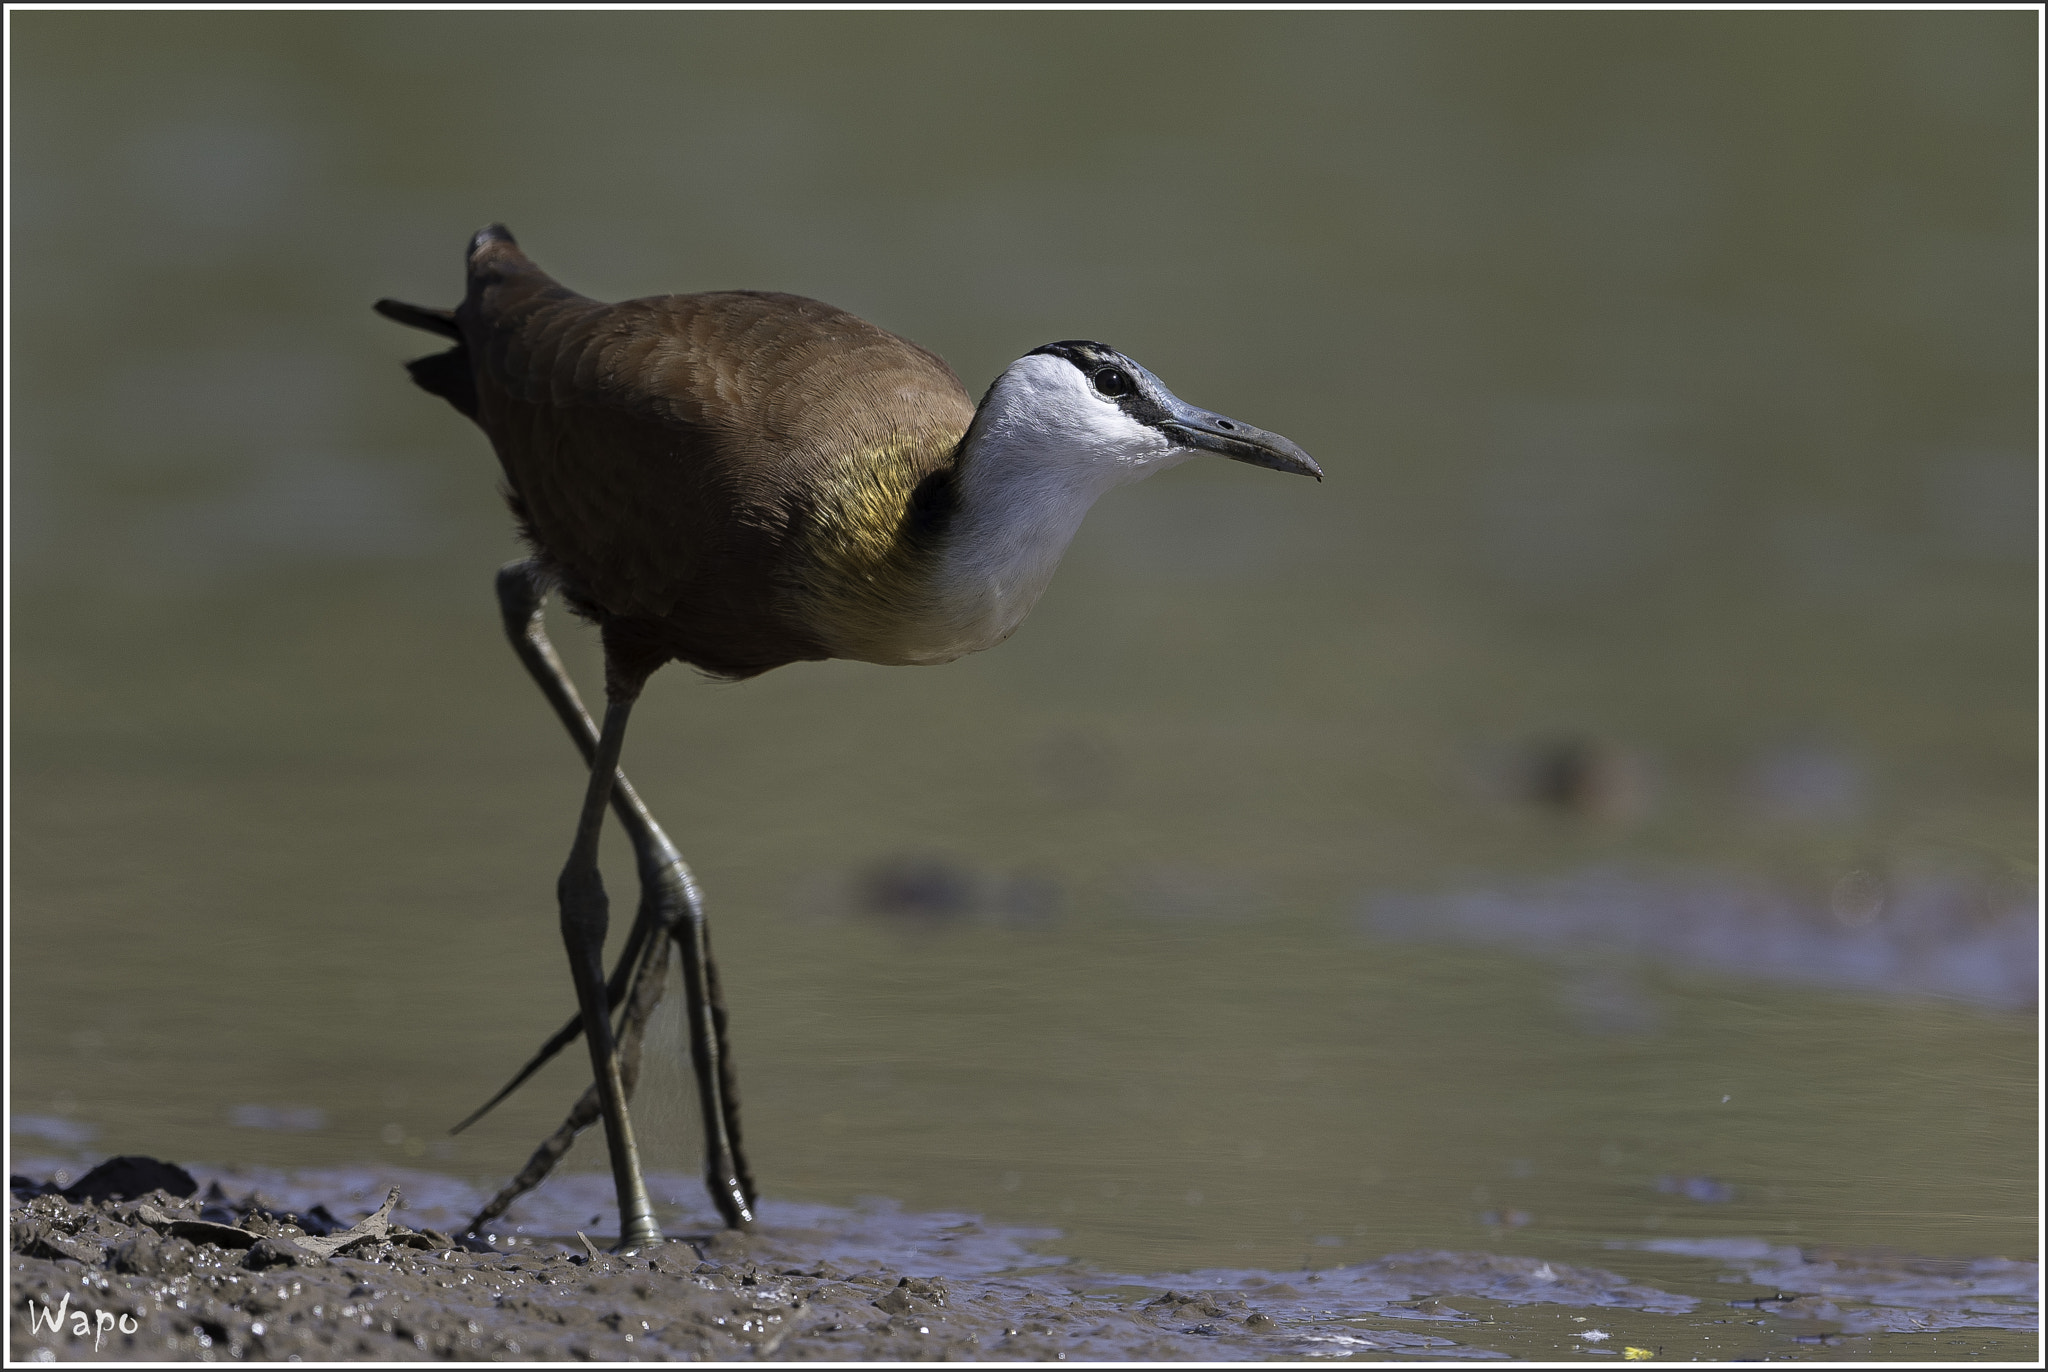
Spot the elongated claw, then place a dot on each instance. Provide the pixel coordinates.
(615, 993)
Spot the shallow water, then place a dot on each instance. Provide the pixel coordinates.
(1600, 815)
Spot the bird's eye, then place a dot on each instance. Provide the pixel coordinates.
(1114, 381)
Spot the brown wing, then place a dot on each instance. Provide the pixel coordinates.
(667, 453)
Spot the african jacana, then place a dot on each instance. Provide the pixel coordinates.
(739, 480)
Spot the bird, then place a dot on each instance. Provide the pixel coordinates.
(738, 480)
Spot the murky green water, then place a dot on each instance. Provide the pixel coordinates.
(1675, 379)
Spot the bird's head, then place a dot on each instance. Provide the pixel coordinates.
(1093, 406)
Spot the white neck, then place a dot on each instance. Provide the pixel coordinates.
(1042, 450)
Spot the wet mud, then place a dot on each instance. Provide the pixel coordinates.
(106, 1269)
(209, 1278)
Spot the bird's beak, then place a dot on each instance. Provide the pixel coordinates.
(1213, 433)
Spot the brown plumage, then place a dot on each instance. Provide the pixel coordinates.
(709, 476)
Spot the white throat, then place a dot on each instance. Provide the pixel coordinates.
(1043, 449)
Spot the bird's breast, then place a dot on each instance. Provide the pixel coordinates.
(901, 563)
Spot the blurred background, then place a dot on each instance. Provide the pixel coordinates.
(1604, 808)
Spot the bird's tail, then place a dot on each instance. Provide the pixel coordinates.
(420, 317)
(500, 278)
(447, 374)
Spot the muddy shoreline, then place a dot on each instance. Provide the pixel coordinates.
(140, 1261)
(207, 1277)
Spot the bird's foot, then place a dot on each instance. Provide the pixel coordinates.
(642, 1232)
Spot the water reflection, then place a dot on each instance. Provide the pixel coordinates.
(288, 1119)
(1927, 933)
(1808, 783)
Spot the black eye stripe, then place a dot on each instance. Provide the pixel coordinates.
(1092, 360)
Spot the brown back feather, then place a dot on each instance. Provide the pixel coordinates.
(730, 471)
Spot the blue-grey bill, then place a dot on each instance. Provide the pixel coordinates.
(1212, 433)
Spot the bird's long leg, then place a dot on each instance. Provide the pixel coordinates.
(725, 1164)
(732, 1184)
(585, 916)
(669, 900)
(648, 977)
(522, 592)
